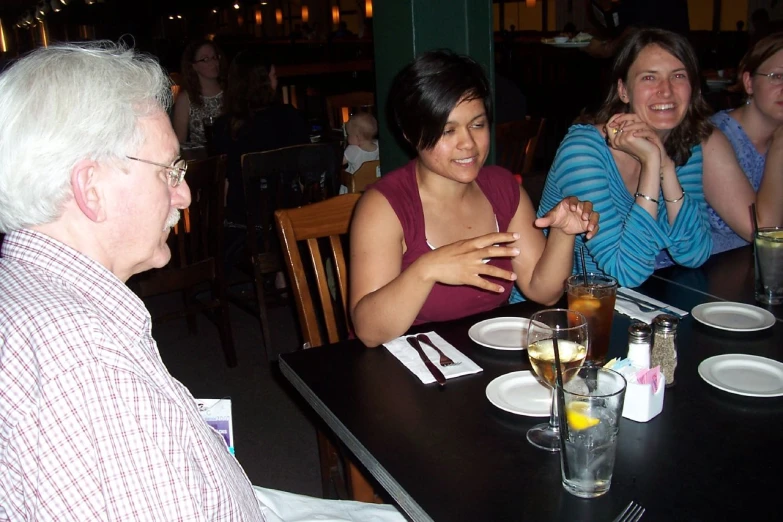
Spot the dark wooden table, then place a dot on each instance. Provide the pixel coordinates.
(450, 455)
(728, 276)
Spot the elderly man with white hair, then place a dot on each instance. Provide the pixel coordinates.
(92, 425)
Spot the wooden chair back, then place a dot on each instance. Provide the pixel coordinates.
(516, 143)
(364, 176)
(290, 177)
(320, 227)
(338, 106)
(323, 223)
(196, 246)
(281, 178)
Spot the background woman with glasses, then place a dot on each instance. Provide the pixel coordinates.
(755, 134)
(203, 77)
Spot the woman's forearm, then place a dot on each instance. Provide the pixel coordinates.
(672, 191)
(553, 268)
(389, 312)
(769, 198)
(649, 187)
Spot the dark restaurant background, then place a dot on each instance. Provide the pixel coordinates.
(557, 83)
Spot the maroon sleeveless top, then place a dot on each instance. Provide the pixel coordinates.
(447, 302)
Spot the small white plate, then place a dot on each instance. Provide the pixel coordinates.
(520, 393)
(734, 317)
(501, 333)
(742, 374)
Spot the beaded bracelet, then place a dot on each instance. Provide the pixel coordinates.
(675, 200)
(648, 198)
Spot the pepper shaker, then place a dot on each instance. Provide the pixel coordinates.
(664, 346)
(639, 340)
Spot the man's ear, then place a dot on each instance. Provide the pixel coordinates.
(87, 191)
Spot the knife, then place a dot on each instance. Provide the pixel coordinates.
(430, 365)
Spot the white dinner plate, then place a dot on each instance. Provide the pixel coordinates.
(742, 374)
(520, 393)
(501, 333)
(735, 317)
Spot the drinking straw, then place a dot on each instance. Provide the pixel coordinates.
(756, 233)
(755, 220)
(584, 265)
(560, 398)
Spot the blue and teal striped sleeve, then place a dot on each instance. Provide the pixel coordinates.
(690, 233)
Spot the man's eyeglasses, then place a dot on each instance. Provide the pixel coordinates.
(208, 59)
(773, 78)
(176, 170)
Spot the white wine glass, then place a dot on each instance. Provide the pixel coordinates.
(569, 327)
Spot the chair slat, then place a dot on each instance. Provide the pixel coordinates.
(341, 273)
(516, 144)
(325, 296)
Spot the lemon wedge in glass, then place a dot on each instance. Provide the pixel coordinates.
(585, 302)
(578, 419)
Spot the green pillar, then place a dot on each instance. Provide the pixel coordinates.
(402, 29)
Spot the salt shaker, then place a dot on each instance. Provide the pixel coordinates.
(639, 340)
(664, 346)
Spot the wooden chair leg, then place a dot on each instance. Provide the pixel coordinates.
(264, 318)
(332, 482)
(360, 488)
(262, 315)
(226, 335)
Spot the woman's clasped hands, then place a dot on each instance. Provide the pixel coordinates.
(627, 133)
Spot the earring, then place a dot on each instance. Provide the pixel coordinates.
(748, 99)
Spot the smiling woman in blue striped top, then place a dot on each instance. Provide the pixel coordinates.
(639, 160)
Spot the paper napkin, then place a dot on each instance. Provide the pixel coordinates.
(633, 310)
(408, 356)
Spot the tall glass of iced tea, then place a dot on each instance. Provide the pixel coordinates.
(594, 297)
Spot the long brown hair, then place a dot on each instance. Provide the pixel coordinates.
(189, 77)
(695, 127)
(249, 88)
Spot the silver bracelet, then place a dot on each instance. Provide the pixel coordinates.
(648, 198)
(675, 200)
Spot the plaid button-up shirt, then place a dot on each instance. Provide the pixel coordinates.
(92, 425)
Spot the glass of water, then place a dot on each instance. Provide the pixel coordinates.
(769, 265)
(594, 404)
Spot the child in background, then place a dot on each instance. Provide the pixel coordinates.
(361, 130)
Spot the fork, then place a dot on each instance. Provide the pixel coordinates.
(445, 360)
(632, 513)
(647, 307)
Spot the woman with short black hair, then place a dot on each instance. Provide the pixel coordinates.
(444, 236)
